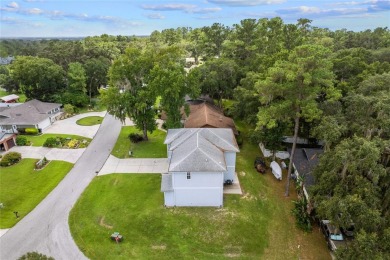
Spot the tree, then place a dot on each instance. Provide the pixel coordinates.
(129, 94)
(96, 70)
(215, 35)
(168, 78)
(39, 78)
(291, 89)
(218, 78)
(75, 93)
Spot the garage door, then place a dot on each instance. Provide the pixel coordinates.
(44, 124)
(10, 143)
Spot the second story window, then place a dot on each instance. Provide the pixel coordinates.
(188, 175)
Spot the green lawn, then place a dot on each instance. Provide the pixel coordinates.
(22, 188)
(39, 140)
(90, 120)
(256, 225)
(153, 148)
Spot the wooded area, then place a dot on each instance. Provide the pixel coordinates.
(283, 79)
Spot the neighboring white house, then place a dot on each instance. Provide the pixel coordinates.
(32, 114)
(200, 161)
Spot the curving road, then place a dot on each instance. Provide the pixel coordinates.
(46, 229)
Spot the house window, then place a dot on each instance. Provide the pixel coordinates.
(188, 175)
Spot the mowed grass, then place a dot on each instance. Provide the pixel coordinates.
(256, 225)
(22, 188)
(153, 148)
(39, 140)
(90, 120)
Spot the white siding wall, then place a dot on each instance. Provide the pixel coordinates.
(203, 189)
(198, 179)
(169, 199)
(230, 159)
(45, 123)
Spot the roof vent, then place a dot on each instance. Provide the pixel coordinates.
(207, 160)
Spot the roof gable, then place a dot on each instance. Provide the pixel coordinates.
(207, 115)
(199, 149)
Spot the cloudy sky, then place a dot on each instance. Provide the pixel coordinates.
(67, 18)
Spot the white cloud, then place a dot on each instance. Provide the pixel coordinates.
(245, 2)
(13, 5)
(34, 11)
(169, 7)
(156, 16)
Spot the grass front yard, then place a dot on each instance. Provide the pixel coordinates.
(154, 148)
(39, 140)
(90, 120)
(22, 188)
(256, 225)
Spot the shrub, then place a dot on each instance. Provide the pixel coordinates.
(69, 109)
(51, 142)
(73, 143)
(31, 131)
(35, 256)
(239, 139)
(10, 159)
(301, 215)
(135, 138)
(21, 140)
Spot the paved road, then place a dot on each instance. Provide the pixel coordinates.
(46, 229)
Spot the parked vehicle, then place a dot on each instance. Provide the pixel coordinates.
(333, 235)
(348, 231)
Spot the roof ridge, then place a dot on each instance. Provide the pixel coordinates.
(221, 137)
(200, 149)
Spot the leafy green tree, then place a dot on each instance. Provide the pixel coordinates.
(129, 94)
(6, 81)
(39, 78)
(291, 89)
(75, 93)
(218, 78)
(215, 35)
(35, 256)
(96, 70)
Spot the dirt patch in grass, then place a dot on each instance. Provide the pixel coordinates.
(101, 223)
(159, 247)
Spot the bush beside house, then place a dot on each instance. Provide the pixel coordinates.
(10, 158)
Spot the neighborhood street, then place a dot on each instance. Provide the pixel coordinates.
(46, 228)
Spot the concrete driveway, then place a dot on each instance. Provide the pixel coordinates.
(134, 165)
(69, 126)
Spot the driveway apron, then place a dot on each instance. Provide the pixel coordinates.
(46, 229)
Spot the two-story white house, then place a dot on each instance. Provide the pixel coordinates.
(200, 161)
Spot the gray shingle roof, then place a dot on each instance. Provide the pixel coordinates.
(305, 159)
(200, 149)
(31, 112)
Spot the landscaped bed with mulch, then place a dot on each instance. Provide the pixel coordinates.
(57, 140)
